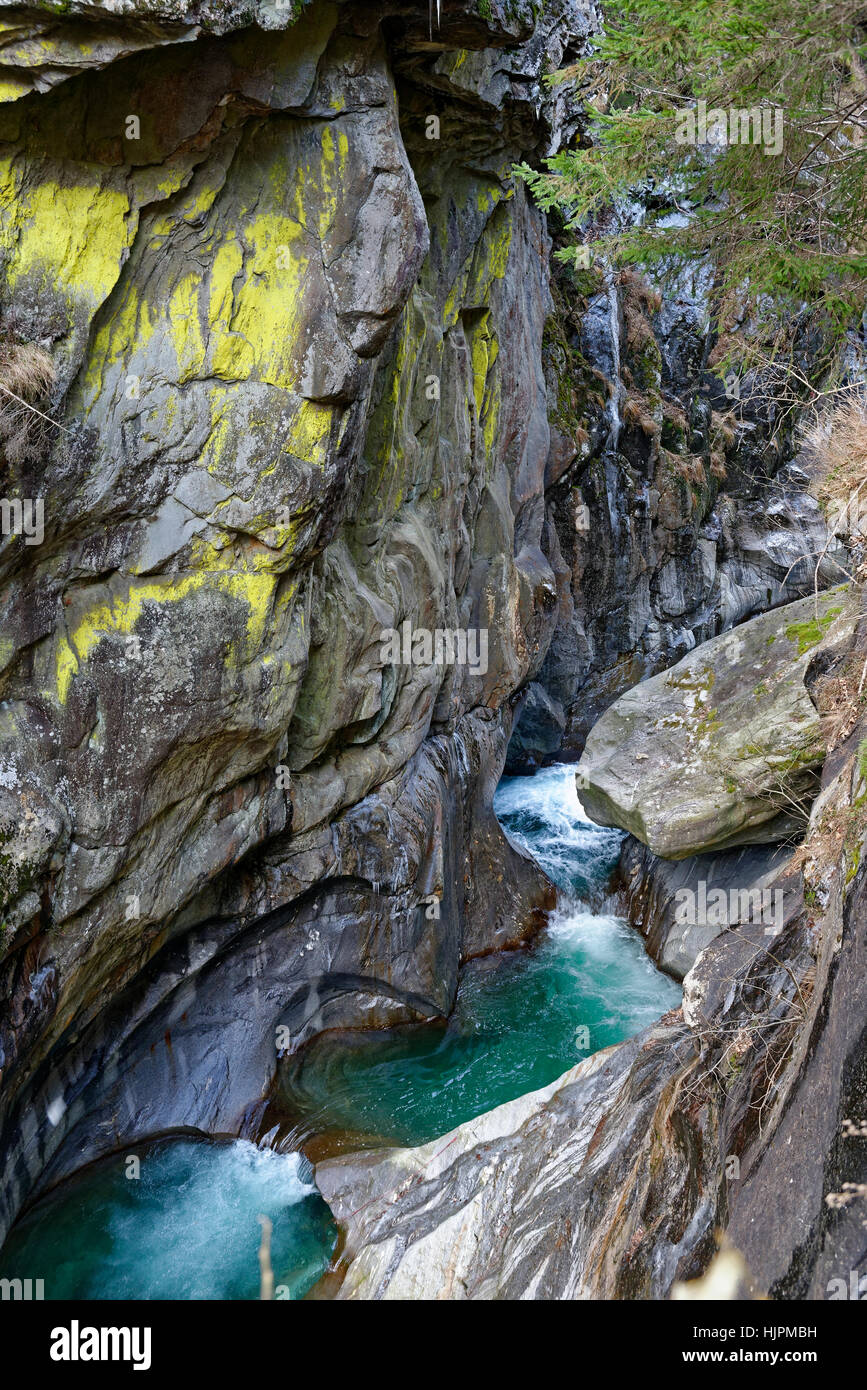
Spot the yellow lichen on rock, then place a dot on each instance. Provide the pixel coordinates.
(71, 238)
(119, 615)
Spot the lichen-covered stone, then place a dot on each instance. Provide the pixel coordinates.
(723, 749)
(299, 403)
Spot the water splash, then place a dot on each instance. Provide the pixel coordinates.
(187, 1228)
(521, 1018)
(543, 814)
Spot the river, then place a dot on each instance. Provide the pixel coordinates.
(188, 1228)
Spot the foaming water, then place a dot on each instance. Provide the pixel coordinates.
(187, 1228)
(521, 1018)
(543, 814)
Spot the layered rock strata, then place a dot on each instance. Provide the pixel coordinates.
(293, 306)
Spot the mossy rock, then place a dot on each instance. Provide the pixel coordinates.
(722, 749)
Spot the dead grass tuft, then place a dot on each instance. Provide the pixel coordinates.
(636, 288)
(836, 440)
(689, 467)
(636, 412)
(27, 375)
(26, 370)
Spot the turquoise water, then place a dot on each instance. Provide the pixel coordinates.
(187, 1228)
(521, 1018)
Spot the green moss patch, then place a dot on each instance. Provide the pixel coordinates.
(810, 633)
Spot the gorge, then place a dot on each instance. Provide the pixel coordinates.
(300, 918)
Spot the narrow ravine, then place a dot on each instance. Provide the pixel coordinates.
(521, 1018)
(187, 1228)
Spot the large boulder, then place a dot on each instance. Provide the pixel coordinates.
(724, 748)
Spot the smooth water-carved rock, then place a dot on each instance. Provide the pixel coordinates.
(681, 906)
(503, 1207)
(295, 329)
(724, 748)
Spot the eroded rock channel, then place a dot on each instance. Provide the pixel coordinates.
(317, 406)
(520, 1018)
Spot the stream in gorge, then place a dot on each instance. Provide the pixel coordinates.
(188, 1227)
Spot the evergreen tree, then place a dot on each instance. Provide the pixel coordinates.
(775, 192)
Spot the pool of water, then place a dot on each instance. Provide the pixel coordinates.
(187, 1228)
(521, 1018)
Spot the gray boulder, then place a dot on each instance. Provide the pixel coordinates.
(723, 749)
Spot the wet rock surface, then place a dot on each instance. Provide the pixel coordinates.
(676, 904)
(676, 504)
(500, 1207)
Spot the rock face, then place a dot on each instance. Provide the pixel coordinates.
(294, 306)
(676, 904)
(724, 748)
(499, 1207)
(674, 508)
(727, 1115)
